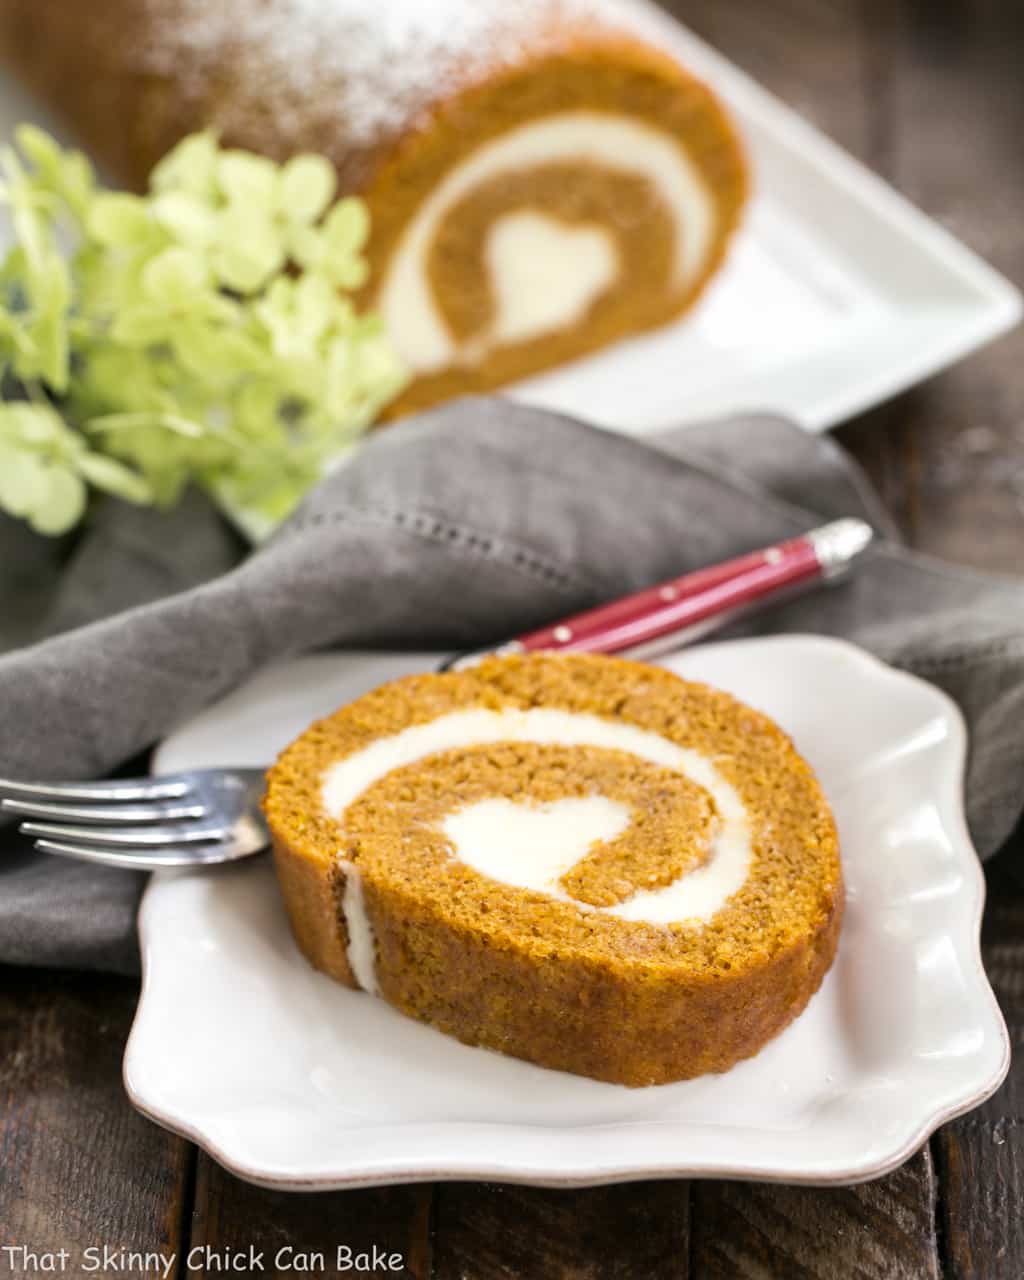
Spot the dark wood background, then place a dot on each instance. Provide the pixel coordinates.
(931, 94)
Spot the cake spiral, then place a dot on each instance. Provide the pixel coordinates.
(542, 177)
(580, 861)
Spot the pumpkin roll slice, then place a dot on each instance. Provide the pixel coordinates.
(580, 861)
(542, 177)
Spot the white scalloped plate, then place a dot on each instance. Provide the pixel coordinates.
(293, 1081)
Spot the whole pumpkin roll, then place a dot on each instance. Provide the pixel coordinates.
(542, 178)
(581, 861)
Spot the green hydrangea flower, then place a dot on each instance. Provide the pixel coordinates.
(46, 466)
(197, 334)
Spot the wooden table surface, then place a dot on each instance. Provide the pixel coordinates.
(930, 94)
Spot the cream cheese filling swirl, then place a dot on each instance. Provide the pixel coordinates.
(573, 825)
(545, 276)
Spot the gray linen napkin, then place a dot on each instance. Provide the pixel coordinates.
(468, 524)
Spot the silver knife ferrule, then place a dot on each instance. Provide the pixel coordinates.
(838, 544)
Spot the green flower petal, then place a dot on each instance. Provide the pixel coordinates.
(248, 180)
(63, 503)
(314, 304)
(216, 358)
(65, 174)
(115, 378)
(256, 408)
(306, 246)
(39, 147)
(23, 480)
(191, 166)
(307, 187)
(78, 182)
(347, 227)
(34, 424)
(174, 277)
(117, 219)
(297, 314)
(348, 273)
(249, 250)
(142, 326)
(190, 220)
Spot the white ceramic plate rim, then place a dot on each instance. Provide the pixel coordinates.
(583, 1169)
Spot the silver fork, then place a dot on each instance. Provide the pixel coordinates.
(173, 820)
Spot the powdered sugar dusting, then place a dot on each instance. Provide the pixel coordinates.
(370, 65)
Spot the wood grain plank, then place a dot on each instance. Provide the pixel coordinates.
(327, 1234)
(810, 54)
(882, 1230)
(980, 1157)
(80, 1168)
(954, 100)
(638, 1231)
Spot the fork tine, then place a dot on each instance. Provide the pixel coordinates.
(138, 837)
(115, 814)
(112, 789)
(154, 860)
